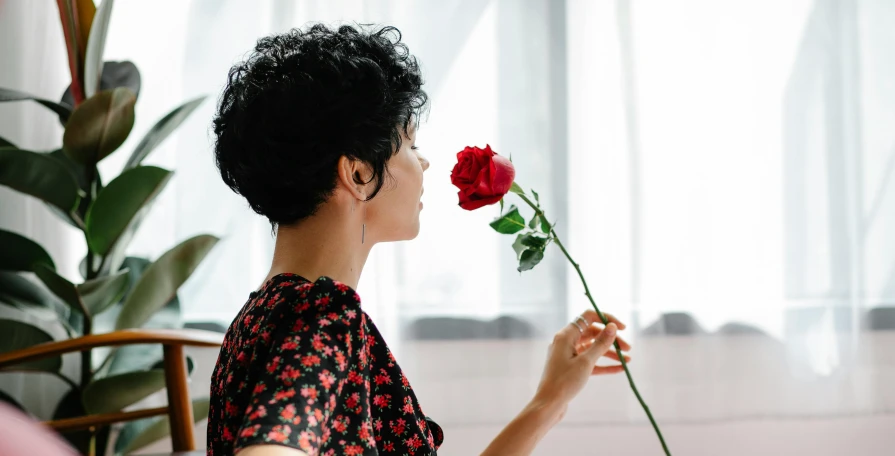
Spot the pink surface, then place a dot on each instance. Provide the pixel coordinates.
(20, 435)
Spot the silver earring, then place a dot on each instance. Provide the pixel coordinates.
(363, 233)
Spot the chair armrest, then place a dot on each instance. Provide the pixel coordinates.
(177, 337)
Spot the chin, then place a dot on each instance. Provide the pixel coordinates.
(413, 233)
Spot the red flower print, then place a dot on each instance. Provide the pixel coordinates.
(279, 434)
(364, 433)
(341, 286)
(317, 343)
(352, 401)
(259, 412)
(322, 301)
(353, 376)
(288, 413)
(382, 378)
(259, 388)
(309, 392)
(414, 442)
(274, 364)
(353, 450)
(326, 379)
(408, 405)
(290, 344)
(310, 360)
(398, 426)
(382, 400)
(304, 441)
(289, 374)
(340, 424)
(284, 394)
(389, 446)
(242, 358)
(250, 431)
(230, 408)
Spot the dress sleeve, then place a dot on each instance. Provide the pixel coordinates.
(314, 392)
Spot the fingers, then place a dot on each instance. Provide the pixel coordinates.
(611, 354)
(602, 344)
(591, 316)
(565, 340)
(569, 337)
(593, 331)
(604, 370)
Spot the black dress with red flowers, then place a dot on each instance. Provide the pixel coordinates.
(303, 366)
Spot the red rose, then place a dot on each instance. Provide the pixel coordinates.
(482, 176)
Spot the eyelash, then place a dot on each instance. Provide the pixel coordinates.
(414, 148)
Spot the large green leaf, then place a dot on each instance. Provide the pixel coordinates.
(99, 294)
(160, 282)
(63, 111)
(28, 296)
(141, 356)
(96, 45)
(138, 434)
(99, 125)
(18, 253)
(509, 223)
(89, 183)
(60, 286)
(112, 394)
(115, 74)
(161, 130)
(40, 176)
(18, 335)
(530, 259)
(535, 241)
(11, 401)
(5, 143)
(118, 207)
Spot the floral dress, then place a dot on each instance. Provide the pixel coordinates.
(303, 366)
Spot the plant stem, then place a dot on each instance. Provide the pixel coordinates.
(67, 381)
(603, 318)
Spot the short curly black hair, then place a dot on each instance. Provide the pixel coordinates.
(301, 101)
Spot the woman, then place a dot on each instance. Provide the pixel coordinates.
(316, 130)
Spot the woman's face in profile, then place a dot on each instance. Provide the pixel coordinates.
(394, 214)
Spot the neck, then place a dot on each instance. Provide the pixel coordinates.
(325, 244)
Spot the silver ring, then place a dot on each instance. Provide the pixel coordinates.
(575, 322)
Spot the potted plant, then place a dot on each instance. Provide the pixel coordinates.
(117, 292)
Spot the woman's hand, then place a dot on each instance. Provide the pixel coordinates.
(572, 360)
(573, 356)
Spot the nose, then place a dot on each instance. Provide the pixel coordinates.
(424, 162)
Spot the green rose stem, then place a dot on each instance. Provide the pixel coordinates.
(618, 350)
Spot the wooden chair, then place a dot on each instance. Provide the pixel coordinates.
(179, 408)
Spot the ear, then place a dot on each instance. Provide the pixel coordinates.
(354, 177)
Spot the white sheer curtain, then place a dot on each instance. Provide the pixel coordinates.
(723, 171)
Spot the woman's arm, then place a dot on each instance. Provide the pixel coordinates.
(570, 363)
(528, 428)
